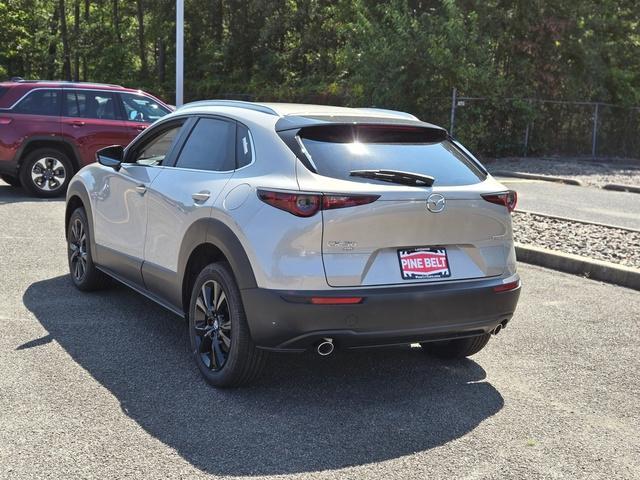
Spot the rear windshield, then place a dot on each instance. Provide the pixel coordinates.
(334, 151)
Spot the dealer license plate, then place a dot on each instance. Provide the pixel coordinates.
(426, 262)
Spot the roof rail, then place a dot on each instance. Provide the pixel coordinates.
(70, 82)
(386, 110)
(231, 103)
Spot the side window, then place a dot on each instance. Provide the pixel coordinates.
(244, 146)
(155, 150)
(139, 108)
(89, 104)
(40, 102)
(210, 146)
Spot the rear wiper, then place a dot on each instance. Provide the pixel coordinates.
(395, 176)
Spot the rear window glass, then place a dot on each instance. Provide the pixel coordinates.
(334, 151)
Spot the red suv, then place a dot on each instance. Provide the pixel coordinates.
(49, 130)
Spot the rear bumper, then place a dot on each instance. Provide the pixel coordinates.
(284, 320)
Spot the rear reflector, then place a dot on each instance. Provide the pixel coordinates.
(308, 204)
(336, 300)
(505, 287)
(509, 199)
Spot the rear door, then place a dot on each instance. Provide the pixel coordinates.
(182, 194)
(92, 120)
(410, 234)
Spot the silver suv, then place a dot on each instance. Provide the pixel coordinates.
(284, 227)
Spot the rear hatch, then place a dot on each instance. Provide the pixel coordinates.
(414, 232)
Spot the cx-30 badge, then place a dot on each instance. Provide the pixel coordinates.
(435, 203)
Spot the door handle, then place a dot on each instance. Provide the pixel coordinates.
(200, 196)
(77, 123)
(141, 127)
(141, 189)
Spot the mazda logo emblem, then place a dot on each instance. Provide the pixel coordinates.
(435, 203)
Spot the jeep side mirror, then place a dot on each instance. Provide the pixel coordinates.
(111, 156)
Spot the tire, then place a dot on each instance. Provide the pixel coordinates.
(219, 336)
(46, 172)
(458, 348)
(13, 181)
(84, 274)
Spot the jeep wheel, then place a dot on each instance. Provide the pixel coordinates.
(218, 332)
(458, 348)
(13, 181)
(46, 172)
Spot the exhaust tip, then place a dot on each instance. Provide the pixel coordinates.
(325, 347)
(497, 329)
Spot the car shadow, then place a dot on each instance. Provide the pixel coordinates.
(9, 194)
(305, 414)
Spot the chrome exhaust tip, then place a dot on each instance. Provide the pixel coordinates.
(497, 329)
(325, 347)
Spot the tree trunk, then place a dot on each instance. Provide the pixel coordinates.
(143, 55)
(87, 6)
(162, 59)
(66, 61)
(116, 21)
(53, 43)
(76, 40)
(216, 20)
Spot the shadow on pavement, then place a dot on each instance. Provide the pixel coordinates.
(305, 413)
(9, 194)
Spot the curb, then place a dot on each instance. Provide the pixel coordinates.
(534, 176)
(620, 187)
(588, 267)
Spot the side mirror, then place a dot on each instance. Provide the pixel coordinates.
(111, 156)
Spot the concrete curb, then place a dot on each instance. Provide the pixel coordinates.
(620, 187)
(534, 176)
(589, 267)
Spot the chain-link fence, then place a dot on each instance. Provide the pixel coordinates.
(516, 126)
(498, 127)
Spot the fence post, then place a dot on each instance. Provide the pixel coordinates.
(454, 97)
(595, 131)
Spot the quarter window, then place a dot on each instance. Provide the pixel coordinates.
(210, 146)
(40, 102)
(89, 104)
(244, 147)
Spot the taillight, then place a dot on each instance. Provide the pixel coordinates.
(509, 199)
(308, 204)
(298, 204)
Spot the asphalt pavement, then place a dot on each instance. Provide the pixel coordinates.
(101, 385)
(590, 204)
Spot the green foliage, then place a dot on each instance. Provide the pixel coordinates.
(404, 54)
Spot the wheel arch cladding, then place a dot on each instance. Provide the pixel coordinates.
(207, 241)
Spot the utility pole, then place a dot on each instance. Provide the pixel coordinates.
(454, 99)
(179, 52)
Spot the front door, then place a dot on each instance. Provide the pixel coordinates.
(120, 219)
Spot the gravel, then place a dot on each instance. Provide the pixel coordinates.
(590, 173)
(594, 241)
